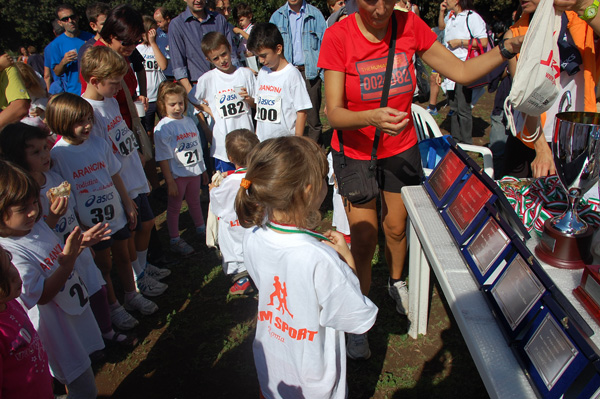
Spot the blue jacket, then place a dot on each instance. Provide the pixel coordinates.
(314, 26)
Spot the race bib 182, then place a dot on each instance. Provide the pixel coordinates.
(372, 73)
(230, 105)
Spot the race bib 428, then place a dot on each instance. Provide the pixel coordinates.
(372, 73)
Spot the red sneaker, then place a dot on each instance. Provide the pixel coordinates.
(241, 287)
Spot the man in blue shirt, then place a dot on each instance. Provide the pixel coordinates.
(185, 34)
(302, 27)
(63, 54)
(163, 19)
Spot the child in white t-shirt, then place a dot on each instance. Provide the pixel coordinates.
(309, 293)
(154, 64)
(281, 98)
(179, 155)
(242, 15)
(88, 163)
(27, 147)
(229, 92)
(239, 143)
(103, 69)
(53, 291)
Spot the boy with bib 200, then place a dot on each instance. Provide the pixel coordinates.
(281, 98)
(229, 92)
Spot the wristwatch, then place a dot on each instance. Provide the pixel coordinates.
(504, 52)
(590, 11)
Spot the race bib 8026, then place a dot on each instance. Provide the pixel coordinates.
(372, 74)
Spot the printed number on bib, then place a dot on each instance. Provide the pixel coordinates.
(187, 153)
(230, 105)
(100, 207)
(73, 298)
(268, 109)
(123, 139)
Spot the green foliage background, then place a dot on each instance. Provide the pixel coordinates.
(25, 22)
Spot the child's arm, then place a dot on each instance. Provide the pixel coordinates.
(93, 236)
(58, 208)
(300, 122)
(66, 262)
(128, 203)
(169, 179)
(242, 32)
(162, 61)
(337, 242)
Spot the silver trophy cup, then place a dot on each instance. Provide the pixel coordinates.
(576, 151)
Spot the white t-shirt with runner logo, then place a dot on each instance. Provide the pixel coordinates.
(66, 324)
(279, 96)
(230, 111)
(110, 126)
(154, 75)
(231, 233)
(308, 298)
(178, 141)
(85, 266)
(89, 168)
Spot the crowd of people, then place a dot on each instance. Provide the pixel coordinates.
(232, 110)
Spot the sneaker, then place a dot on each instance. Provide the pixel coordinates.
(122, 320)
(357, 347)
(432, 111)
(149, 286)
(156, 272)
(182, 248)
(143, 305)
(241, 287)
(399, 291)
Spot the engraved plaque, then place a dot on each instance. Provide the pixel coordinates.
(588, 291)
(516, 291)
(487, 246)
(469, 202)
(550, 351)
(446, 173)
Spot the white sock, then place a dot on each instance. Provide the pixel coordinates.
(137, 268)
(142, 258)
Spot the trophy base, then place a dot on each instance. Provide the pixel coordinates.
(564, 251)
(588, 302)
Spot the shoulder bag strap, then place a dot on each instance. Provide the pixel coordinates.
(384, 98)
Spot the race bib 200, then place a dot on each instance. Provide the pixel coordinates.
(268, 109)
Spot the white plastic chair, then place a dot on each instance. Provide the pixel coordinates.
(427, 127)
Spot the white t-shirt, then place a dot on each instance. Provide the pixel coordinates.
(68, 337)
(110, 126)
(89, 168)
(85, 266)
(230, 111)
(178, 141)
(280, 95)
(231, 233)
(456, 28)
(154, 75)
(308, 298)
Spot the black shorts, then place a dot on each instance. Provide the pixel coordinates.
(392, 173)
(144, 211)
(120, 235)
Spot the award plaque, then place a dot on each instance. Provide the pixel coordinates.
(516, 292)
(445, 178)
(550, 351)
(488, 246)
(465, 210)
(588, 292)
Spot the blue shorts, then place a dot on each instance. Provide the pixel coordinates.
(144, 211)
(120, 235)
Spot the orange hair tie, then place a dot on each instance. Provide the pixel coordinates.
(245, 183)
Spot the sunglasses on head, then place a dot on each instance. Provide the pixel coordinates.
(70, 17)
(126, 43)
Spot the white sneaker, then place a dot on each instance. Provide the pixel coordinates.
(156, 272)
(357, 347)
(149, 286)
(143, 305)
(122, 320)
(182, 248)
(399, 291)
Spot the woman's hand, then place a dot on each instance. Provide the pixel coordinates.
(455, 43)
(388, 120)
(152, 36)
(514, 44)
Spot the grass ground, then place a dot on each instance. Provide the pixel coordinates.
(198, 344)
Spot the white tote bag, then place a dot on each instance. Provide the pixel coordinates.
(536, 84)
